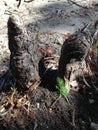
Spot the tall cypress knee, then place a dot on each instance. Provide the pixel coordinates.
(24, 57)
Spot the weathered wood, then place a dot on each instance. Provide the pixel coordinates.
(74, 51)
(24, 58)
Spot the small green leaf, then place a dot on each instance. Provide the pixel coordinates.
(63, 87)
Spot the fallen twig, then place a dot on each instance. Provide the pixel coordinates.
(28, 1)
(77, 4)
(20, 1)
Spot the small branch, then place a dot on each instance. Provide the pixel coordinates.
(19, 3)
(28, 1)
(77, 4)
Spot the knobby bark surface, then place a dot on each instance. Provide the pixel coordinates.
(75, 50)
(24, 58)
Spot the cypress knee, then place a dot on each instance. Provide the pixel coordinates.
(24, 57)
(74, 51)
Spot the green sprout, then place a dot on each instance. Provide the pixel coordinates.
(63, 88)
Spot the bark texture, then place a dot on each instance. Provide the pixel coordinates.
(24, 58)
(75, 49)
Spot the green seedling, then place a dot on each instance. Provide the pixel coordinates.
(63, 88)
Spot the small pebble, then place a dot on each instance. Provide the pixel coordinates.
(37, 105)
(91, 101)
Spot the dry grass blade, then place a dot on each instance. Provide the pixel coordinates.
(85, 81)
(73, 118)
(55, 101)
(24, 103)
(35, 85)
(35, 125)
(96, 88)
